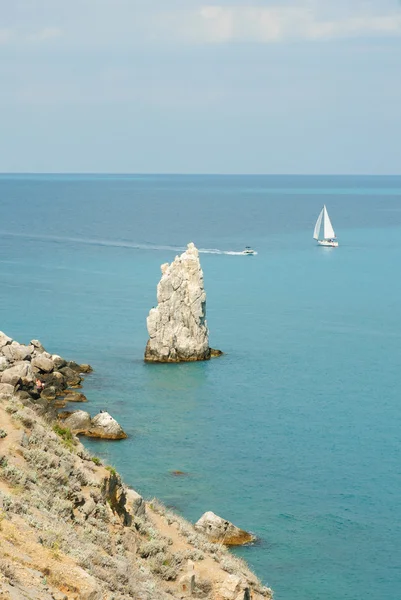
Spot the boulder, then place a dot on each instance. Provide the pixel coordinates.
(17, 352)
(4, 339)
(4, 364)
(6, 390)
(219, 530)
(72, 378)
(79, 421)
(137, 503)
(177, 327)
(43, 363)
(231, 588)
(71, 364)
(76, 398)
(187, 583)
(105, 427)
(85, 368)
(49, 393)
(55, 379)
(19, 373)
(58, 362)
(38, 348)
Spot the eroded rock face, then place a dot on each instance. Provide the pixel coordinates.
(177, 327)
(114, 492)
(219, 530)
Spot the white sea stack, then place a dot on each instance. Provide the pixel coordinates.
(177, 327)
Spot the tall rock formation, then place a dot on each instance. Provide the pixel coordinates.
(177, 327)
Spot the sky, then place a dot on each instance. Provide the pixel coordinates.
(181, 86)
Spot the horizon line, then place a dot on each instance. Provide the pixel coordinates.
(174, 174)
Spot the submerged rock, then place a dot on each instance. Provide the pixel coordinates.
(222, 531)
(177, 327)
(76, 397)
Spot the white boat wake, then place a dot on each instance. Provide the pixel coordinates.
(116, 243)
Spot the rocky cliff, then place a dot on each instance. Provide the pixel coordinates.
(177, 326)
(71, 530)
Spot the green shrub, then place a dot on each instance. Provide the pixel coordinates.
(65, 434)
(96, 460)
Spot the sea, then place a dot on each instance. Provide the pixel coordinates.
(295, 433)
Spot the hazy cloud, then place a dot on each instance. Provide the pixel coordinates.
(217, 24)
(6, 36)
(45, 34)
(22, 36)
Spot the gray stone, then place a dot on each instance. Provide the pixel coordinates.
(137, 503)
(88, 507)
(79, 421)
(17, 352)
(58, 362)
(37, 346)
(222, 531)
(177, 327)
(43, 363)
(71, 376)
(20, 372)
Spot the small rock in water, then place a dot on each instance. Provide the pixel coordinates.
(179, 473)
(75, 397)
(105, 427)
(219, 530)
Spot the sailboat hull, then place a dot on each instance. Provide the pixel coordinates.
(327, 243)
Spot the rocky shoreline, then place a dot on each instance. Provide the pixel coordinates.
(69, 528)
(51, 382)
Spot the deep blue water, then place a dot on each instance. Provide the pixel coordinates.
(295, 433)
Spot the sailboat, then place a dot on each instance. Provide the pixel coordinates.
(329, 237)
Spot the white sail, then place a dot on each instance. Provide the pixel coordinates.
(328, 231)
(318, 225)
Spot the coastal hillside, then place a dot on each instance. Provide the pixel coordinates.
(71, 530)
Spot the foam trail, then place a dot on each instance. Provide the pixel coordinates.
(216, 251)
(115, 243)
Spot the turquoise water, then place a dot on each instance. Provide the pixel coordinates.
(295, 433)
